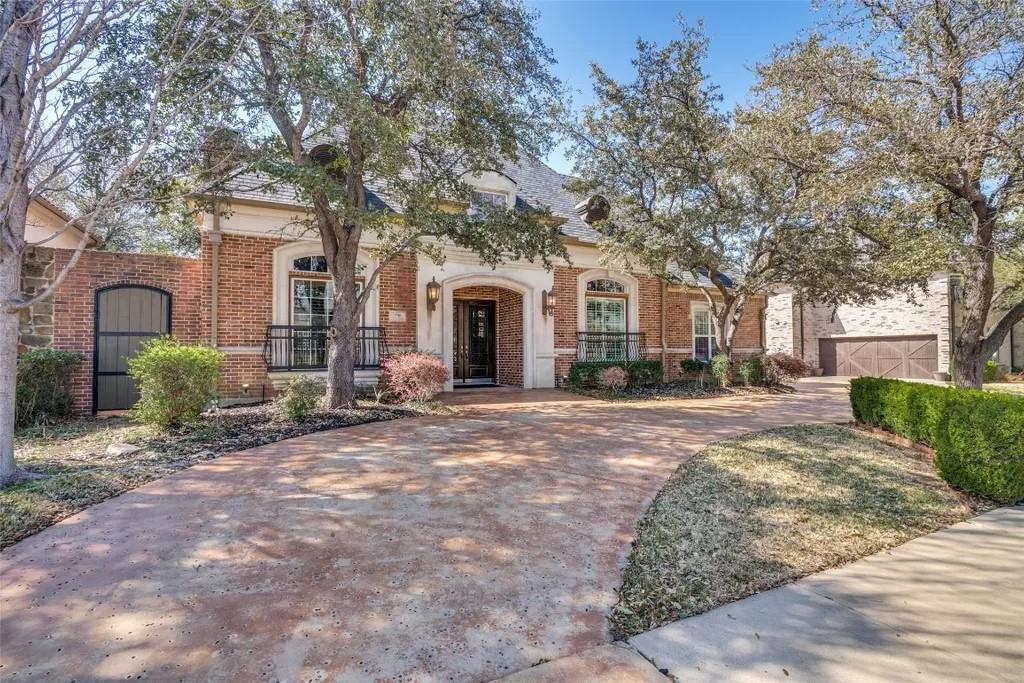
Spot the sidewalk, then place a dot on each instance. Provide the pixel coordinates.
(944, 607)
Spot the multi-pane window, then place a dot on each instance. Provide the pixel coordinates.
(606, 320)
(312, 302)
(482, 199)
(704, 345)
(312, 307)
(606, 285)
(310, 264)
(605, 314)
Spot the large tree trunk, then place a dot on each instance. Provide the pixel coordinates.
(341, 249)
(726, 316)
(14, 53)
(969, 348)
(10, 276)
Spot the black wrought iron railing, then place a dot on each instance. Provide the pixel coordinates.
(297, 347)
(610, 346)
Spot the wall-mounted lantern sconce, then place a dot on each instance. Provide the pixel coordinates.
(548, 302)
(433, 293)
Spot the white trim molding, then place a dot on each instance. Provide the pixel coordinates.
(531, 304)
(288, 252)
(631, 284)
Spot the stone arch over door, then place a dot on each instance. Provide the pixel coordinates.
(126, 316)
(448, 287)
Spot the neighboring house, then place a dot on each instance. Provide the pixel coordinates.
(900, 336)
(260, 293)
(48, 225)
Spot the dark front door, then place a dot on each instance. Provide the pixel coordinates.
(126, 317)
(474, 342)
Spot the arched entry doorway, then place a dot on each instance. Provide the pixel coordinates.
(487, 331)
(126, 316)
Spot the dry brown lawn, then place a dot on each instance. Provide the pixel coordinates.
(759, 511)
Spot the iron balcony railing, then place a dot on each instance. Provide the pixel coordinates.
(610, 346)
(298, 347)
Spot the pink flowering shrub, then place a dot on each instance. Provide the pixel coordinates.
(613, 378)
(414, 376)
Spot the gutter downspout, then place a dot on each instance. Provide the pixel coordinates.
(664, 341)
(215, 237)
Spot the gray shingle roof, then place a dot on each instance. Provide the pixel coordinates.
(538, 186)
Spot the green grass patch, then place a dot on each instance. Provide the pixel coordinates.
(755, 512)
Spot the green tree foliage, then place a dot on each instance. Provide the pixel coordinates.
(924, 102)
(411, 97)
(702, 197)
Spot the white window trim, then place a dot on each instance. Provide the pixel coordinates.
(282, 286)
(630, 283)
(697, 307)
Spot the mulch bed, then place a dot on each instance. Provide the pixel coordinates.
(673, 391)
(70, 467)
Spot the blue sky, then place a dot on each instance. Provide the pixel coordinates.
(742, 33)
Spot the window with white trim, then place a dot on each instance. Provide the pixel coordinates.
(484, 199)
(606, 309)
(704, 344)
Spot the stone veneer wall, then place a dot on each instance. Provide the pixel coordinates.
(35, 326)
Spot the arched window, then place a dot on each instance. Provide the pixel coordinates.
(312, 292)
(606, 286)
(607, 304)
(310, 264)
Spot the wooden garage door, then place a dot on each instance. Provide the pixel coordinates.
(908, 357)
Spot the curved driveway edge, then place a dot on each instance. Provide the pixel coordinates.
(460, 547)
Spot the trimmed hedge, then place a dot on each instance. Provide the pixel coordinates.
(978, 436)
(641, 372)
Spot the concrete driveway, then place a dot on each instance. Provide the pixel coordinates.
(457, 548)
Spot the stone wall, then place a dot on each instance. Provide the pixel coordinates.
(36, 323)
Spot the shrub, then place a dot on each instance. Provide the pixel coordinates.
(175, 381)
(780, 367)
(614, 378)
(414, 376)
(695, 367)
(42, 386)
(641, 372)
(991, 373)
(752, 370)
(721, 369)
(301, 397)
(981, 448)
(978, 436)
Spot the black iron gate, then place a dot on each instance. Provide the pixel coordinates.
(126, 316)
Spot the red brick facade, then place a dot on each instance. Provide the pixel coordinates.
(678, 322)
(398, 302)
(246, 300)
(74, 303)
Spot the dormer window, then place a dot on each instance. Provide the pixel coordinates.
(483, 199)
